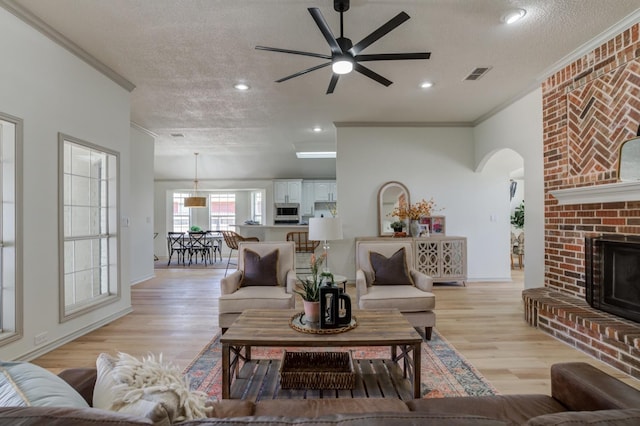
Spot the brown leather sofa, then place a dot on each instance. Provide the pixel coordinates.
(580, 394)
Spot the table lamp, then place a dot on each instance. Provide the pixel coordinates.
(325, 229)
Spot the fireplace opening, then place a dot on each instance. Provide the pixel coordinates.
(612, 274)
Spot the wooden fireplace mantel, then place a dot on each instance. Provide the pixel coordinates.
(605, 193)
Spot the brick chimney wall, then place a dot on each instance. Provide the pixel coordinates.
(590, 107)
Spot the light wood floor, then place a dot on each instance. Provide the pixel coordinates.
(175, 313)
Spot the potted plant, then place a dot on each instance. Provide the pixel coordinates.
(517, 218)
(397, 226)
(310, 289)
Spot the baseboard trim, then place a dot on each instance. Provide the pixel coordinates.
(70, 337)
(140, 280)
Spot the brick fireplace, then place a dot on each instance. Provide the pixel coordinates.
(590, 107)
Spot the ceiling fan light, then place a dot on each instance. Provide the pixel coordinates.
(342, 66)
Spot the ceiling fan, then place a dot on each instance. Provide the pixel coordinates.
(345, 56)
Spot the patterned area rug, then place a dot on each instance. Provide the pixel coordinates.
(445, 372)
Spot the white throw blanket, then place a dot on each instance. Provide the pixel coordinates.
(154, 380)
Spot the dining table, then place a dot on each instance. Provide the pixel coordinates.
(191, 244)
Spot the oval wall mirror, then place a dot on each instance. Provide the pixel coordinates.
(390, 196)
(629, 160)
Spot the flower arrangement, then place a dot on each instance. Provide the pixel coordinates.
(415, 211)
(311, 284)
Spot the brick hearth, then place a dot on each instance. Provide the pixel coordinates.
(606, 337)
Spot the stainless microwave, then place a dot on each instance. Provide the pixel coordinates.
(286, 213)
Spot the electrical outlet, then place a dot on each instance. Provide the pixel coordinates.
(40, 338)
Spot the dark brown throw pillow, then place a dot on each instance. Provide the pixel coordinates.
(390, 270)
(260, 270)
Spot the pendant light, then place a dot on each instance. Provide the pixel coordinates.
(194, 200)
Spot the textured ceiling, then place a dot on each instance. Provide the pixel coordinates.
(184, 56)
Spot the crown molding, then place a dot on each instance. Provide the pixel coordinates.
(401, 124)
(38, 24)
(592, 44)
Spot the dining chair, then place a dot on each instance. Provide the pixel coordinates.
(216, 243)
(304, 249)
(199, 244)
(232, 239)
(176, 244)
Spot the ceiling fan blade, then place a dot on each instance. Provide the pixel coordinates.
(293, 52)
(332, 83)
(392, 56)
(325, 29)
(380, 32)
(372, 74)
(299, 73)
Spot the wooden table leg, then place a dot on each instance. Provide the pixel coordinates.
(417, 372)
(226, 371)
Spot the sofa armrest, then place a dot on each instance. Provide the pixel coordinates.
(361, 285)
(423, 281)
(292, 279)
(581, 387)
(82, 380)
(231, 283)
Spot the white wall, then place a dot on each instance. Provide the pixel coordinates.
(141, 212)
(432, 162)
(53, 91)
(519, 127)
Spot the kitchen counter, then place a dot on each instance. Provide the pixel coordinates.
(269, 232)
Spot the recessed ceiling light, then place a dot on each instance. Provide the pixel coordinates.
(317, 129)
(426, 85)
(241, 86)
(513, 16)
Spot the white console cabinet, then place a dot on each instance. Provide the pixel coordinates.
(441, 257)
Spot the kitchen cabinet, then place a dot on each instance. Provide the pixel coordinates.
(287, 190)
(326, 191)
(308, 199)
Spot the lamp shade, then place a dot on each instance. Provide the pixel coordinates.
(325, 228)
(195, 202)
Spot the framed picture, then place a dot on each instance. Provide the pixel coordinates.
(434, 224)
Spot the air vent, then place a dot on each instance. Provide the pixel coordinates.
(177, 135)
(477, 73)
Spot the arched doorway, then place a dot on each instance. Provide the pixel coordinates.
(510, 164)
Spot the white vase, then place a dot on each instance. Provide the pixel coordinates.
(414, 228)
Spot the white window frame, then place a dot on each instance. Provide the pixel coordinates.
(213, 213)
(105, 261)
(177, 199)
(257, 206)
(11, 281)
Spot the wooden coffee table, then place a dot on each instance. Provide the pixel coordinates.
(268, 327)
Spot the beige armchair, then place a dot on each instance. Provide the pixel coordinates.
(414, 300)
(236, 296)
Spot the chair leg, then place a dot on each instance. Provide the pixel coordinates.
(228, 260)
(427, 332)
